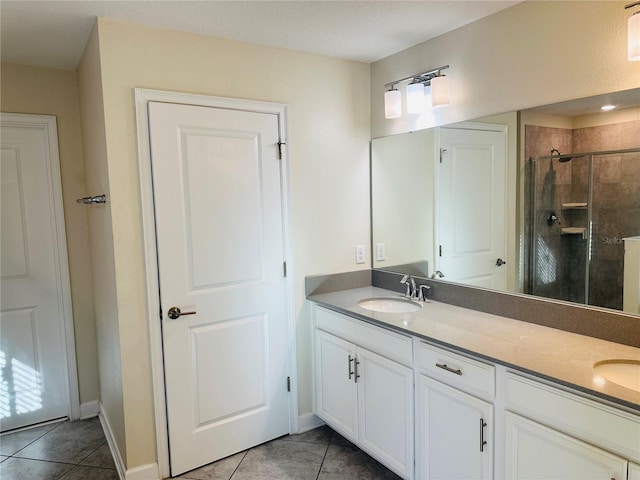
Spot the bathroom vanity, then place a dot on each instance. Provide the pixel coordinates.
(448, 392)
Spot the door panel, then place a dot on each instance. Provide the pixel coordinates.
(336, 392)
(34, 383)
(449, 430)
(217, 196)
(471, 202)
(537, 452)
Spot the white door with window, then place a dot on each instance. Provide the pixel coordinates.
(35, 293)
(471, 207)
(219, 223)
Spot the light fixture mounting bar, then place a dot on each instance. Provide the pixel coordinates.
(428, 75)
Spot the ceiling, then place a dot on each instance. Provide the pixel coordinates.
(54, 33)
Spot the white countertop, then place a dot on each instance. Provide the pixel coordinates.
(555, 354)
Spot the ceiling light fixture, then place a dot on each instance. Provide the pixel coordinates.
(633, 34)
(431, 83)
(607, 108)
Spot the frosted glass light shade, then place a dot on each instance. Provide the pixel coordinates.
(415, 98)
(440, 91)
(392, 104)
(633, 41)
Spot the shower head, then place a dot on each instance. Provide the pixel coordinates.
(561, 159)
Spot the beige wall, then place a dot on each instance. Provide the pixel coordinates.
(48, 91)
(328, 108)
(102, 243)
(534, 53)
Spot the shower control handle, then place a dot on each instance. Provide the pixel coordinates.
(500, 262)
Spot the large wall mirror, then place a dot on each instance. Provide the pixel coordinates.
(544, 201)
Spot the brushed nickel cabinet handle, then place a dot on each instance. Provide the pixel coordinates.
(351, 360)
(449, 369)
(483, 442)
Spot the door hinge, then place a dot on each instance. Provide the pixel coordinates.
(280, 145)
(284, 269)
(442, 152)
(440, 250)
(288, 384)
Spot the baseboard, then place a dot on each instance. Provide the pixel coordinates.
(143, 472)
(308, 421)
(89, 409)
(113, 447)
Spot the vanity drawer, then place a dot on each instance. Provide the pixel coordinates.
(457, 370)
(392, 345)
(610, 428)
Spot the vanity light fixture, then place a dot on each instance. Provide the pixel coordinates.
(633, 34)
(424, 86)
(392, 103)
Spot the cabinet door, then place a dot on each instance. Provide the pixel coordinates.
(634, 471)
(452, 429)
(335, 388)
(385, 411)
(533, 451)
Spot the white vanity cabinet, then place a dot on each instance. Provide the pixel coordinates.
(364, 387)
(455, 427)
(535, 451)
(554, 433)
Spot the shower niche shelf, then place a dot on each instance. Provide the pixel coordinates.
(574, 231)
(574, 206)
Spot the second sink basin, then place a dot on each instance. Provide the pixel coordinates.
(625, 373)
(389, 305)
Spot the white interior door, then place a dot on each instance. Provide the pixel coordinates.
(35, 298)
(219, 221)
(471, 207)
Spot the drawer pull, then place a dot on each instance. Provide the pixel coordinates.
(483, 442)
(356, 363)
(351, 360)
(448, 369)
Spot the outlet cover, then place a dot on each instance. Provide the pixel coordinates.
(380, 252)
(360, 254)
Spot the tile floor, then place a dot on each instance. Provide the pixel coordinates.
(78, 451)
(319, 454)
(59, 451)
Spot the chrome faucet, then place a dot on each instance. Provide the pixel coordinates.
(422, 293)
(408, 281)
(414, 292)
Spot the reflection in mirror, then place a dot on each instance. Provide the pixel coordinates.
(577, 232)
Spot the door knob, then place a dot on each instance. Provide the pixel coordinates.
(500, 262)
(174, 312)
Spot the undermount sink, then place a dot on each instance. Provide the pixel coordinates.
(625, 373)
(390, 305)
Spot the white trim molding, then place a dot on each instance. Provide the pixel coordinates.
(89, 409)
(142, 98)
(309, 421)
(48, 124)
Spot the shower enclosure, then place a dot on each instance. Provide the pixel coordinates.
(580, 208)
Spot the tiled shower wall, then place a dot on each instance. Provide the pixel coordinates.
(561, 259)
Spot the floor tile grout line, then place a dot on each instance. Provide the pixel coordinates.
(239, 463)
(324, 457)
